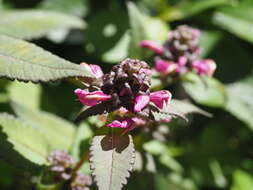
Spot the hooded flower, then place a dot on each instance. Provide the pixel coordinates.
(205, 66)
(91, 98)
(160, 98)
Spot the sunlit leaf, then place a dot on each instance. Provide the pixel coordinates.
(190, 8)
(144, 27)
(242, 180)
(58, 132)
(29, 24)
(26, 140)
(237, 20)
(239, 101)
(27, 94)
(205, 90)
(75, 7)
(112, 158)
(24, 61)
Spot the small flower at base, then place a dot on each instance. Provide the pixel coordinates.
(91, 98)
(119, 124)
(140, 102)
(81, 182)
(165, 67)
(127, 123)
(152, 46)
(95, 69)
(159, 98)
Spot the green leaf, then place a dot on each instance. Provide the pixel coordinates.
(187, 108)
(119, 51)
(112, 157)
(204, 90)
(190, 8)
(208, 41)
(75, 7)
(242, 180)
(26, 140)
(144, 27)
(25, 61)
(30, 97)
(58, 132)
(239, 102)
(237, 20)
(30, 24)
(83, 134)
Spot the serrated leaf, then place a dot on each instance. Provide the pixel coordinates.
(239, 102)
(111, 158)
(27, 62)
(30, 24)
(26, 140)
(204, 90)
(237, 20)
(58, 132)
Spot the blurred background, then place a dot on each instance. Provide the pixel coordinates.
(206, 153)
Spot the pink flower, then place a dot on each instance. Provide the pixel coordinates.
(182, 61)
(95, 69)
(140, 102)
(127, 123)
(120, 124)
(159, 98)
(152, 46)
(204, 66)
(91, 98)
(165, 67)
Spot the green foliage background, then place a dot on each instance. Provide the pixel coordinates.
(204, 154)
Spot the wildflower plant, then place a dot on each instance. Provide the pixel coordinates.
(123, 111)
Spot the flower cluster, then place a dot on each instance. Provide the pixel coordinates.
(180, 53)
(61, 165)
(126, 88)
(81, 182)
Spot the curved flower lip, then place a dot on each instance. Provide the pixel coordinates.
(91, 98)
(152, 46)
(140, 102)
(95, 69)
(160, 98)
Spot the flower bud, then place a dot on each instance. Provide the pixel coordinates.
(152, 46)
